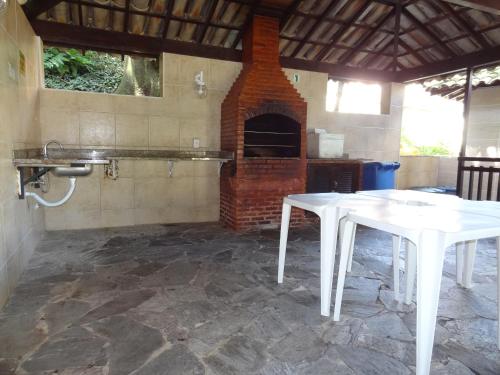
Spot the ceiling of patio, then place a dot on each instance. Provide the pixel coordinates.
(382, 39)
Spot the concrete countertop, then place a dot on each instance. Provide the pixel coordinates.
(34, 157)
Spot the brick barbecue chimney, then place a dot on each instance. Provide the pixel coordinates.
(263, 121)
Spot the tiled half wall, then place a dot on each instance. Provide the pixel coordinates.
(144, 193)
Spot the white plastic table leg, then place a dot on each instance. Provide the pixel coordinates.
(410, 270)
(328, 243)
(347, 239)
(498, 290)
(396, 245)
(460, 248)
(285, 222)
(351, 248)
(468, 267)
(430, 260)
(341, 226)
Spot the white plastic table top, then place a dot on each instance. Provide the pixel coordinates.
(452, 202)
(433, 229)
(436, 218)
(411, 196)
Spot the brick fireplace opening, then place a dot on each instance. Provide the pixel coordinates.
(263, 121)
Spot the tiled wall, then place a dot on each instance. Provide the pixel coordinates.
(21, 224)
(427, 171)
(483, 138)
(374, 137)
(144, 193)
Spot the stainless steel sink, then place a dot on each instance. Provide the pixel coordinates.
(74, 170)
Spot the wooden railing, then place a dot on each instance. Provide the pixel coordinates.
(480, 177)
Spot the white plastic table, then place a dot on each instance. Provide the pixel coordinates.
(432, 229)
(465, 251)
(420, 198)
(325, 206)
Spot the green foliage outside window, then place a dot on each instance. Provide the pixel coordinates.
(409, 148)
(101, 72)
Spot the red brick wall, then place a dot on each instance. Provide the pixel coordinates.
(252, 190)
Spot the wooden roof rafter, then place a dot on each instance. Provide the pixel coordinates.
(210, 13)
(358, 35)
(398, 8)
(366, 38)
(340, 33)
(462, 22)
(167, 17)
(428, 32)
(246, 25)
(33, 9)
(314, 28)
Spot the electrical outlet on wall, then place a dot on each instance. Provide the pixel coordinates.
(196, 142)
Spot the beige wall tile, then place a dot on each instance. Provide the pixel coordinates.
(117, 218)
(154, 192)
(182, 192)
(150, 168)
(131, 104)
(63, 100)
(97, 129)
(84, 219)
(149, 216)
(132, 130)
(60, 125)
(223, 74)
(117, 194)
(206, 191)
(21, 224)
(95, 102)
(85, 197)
(164, 132)
(190, 66)
(205, 129)
(8, 19)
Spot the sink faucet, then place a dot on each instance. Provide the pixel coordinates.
(46, 151)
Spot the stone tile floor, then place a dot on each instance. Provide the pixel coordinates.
(195, 299)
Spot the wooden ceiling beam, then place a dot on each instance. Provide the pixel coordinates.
(488, 6)
(476, 59)
(479, 38)
(412, 52)
(365, 39)
(397, 30)
(366, 63)
(333, 5)
(204, 27)
(288, 13)
(246, 25)
(127, 16)
(428, 32)
(118, 42)
(337, 70)
(102, 40)
(34, 8)
(341, 31)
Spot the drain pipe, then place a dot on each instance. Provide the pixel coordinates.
(43, 202)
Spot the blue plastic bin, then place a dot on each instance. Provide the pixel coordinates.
(379, 175)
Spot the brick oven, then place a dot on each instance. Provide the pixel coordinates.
(263, 121)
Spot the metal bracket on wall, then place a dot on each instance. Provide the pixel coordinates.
(36, 173)
(221, 163)
(111, 169)
(171, 165)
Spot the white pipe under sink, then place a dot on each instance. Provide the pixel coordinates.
(43, 202)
